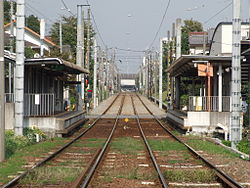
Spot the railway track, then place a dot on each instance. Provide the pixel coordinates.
(134, 152)
(182, 159)
(76, 155)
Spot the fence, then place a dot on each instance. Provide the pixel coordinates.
(208, 104)
(39, 104)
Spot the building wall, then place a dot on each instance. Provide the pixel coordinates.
(9, 116)
(222, 41)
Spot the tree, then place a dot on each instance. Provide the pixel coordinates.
(7, 13)
(33, 23)
(189, 26)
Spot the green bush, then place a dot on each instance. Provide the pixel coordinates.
(226, 143)
(13, 143)
(244, 146)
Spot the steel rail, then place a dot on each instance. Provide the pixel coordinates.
(92, 170)
(226, 179)
(162, 179)
(16, 179)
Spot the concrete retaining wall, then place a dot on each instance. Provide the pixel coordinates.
(208, 121)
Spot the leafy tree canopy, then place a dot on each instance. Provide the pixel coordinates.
(33, 23)
(189, 26)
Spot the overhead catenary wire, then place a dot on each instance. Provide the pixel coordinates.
(66, 7)
(162, 20)
(212, 17)
(34, 10)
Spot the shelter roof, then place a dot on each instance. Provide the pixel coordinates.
(185, 64)
(54, 64)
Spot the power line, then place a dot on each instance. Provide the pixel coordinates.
(218, 13)
(163, 18)
(66, 7)
(34, 10)
(97, 29)
(129, 50)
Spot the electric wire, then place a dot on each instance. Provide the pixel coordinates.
(163, 18)
(34, 10)
(66, 7)
(212, 17)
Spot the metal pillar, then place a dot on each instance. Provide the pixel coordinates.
(42, 35)
(235, 129)
(95, 73)
(88, 41)
(178, 38)
(160, 74)
(19, 73)
(177, 89)
(60, 33)
(2, 88)
(79, 55)
(220, 88)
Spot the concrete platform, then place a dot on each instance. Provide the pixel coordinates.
(127, 110)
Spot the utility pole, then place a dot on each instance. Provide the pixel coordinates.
(95, 73)
(2, 88)
(160, 73)
(79, 54)
(88, 41)
(19, 73)
(42, 35)
(11, 43)
(60, 33)
(178, 55)
(235, 130)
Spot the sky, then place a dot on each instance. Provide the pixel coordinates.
(132, 24)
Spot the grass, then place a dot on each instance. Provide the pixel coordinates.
(211, 148)
(130, 174)
(51, 175)
(90, 143)
(194, 175)
(19, 158)
(166, 145)
(127, 145)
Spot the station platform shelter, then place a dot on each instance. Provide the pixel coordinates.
(207, 79)
(46, 80)
(209, 98)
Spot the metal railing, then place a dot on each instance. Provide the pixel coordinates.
(9, 97)
(208, 104)
(39, 104)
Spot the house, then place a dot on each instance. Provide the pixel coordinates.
(32, 39)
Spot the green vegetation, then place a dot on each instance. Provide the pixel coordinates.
(51, 175)
(166, 145)
(134, 174)
(194, 175)
(244, 146)
(210, 147)
(127, 145)
(90, 143)
(14, 143)
(23, 153)
(226, 143)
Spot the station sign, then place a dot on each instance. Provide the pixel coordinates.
(205, 70)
